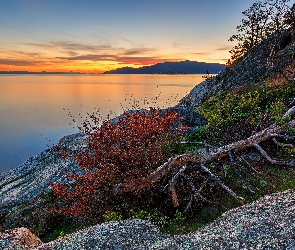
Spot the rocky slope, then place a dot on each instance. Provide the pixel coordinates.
(251, 69)
(268, 223)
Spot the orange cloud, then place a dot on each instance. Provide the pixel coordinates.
(86, 57)
(135, 60)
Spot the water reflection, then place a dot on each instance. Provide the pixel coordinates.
(33, 105)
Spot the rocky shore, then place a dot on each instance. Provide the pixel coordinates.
(26, 186)
(268, 223)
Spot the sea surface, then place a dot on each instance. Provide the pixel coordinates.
(34, 109)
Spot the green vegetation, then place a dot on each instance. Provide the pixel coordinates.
(155, 216)
(235, 115)
(231, 107)
(248, 105)
(62, 230)
(112, 216)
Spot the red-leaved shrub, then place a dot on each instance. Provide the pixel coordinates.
(118, 153)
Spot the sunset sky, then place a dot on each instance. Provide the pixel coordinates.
(99, 35)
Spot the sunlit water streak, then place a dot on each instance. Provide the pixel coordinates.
(31, 105)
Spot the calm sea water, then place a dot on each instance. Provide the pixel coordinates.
(34, 108)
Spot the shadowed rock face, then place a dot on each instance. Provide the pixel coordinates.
(249, 69)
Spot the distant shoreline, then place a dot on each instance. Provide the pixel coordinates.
(39, 73)
(166, 68)
(95, 74)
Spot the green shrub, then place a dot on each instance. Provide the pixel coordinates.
(232, 106)
(61, 231)
(227, 109)
(178, 218)
(155, 216)
(112, 216)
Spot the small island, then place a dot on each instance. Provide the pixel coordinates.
(183, 67)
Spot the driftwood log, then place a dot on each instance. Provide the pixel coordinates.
(180, 162)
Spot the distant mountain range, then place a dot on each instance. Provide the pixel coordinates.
(183, 67)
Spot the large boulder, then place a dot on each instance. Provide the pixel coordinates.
(18, 238)
(268, 223)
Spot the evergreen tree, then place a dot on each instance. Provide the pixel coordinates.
(262, 19)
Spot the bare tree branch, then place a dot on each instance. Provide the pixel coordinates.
(192, 143)
(241, 158)
(239, 174)
(197, 193)
(226, 188)
(214, 155)
(283, 145)
(173, 184)
(273, 161)
(290, 112)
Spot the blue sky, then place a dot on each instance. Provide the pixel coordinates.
(99, 35)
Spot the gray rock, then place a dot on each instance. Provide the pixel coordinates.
(25, 183)
(268, 223)
(254, 157)
(126, 234)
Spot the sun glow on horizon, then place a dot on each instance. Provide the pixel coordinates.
(84, 66)
(98, 36)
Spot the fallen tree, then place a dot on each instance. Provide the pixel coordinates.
(274, 133)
